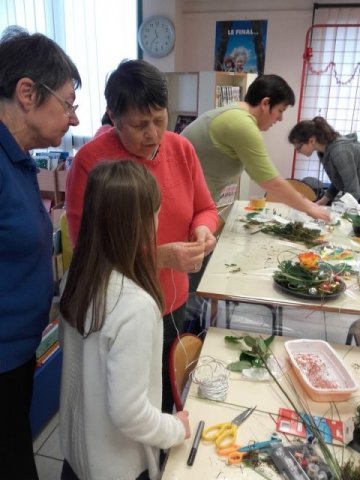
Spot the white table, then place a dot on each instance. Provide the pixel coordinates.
(242, 265)
(261, 424)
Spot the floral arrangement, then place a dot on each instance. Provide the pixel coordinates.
(310, 275)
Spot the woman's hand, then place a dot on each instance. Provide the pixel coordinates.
(322, 201)
(182, 256)
(318, 211)
(203, 235)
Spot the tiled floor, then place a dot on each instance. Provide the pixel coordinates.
(296, 323)
(47, 451)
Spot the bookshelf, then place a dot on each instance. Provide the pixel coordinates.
(193, 93)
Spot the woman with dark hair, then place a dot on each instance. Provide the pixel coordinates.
(111, 425)
(339, 155)
(137, 98)
(37, 93)
(228, 140)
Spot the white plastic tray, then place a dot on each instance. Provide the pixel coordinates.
(331, 369)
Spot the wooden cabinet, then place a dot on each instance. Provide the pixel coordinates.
(193, 93)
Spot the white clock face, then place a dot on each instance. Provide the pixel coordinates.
(157, 36)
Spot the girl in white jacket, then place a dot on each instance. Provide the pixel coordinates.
(111, 424)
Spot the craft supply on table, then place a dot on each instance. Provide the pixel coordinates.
(290, 423)
(224, 435)
(320, 370)
(212, 378)
(300, 462)
(266, 444)
(257, 202)
(196, 443)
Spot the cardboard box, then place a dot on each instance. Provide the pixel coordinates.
(46, 179)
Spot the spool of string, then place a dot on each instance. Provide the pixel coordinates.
(212, 378)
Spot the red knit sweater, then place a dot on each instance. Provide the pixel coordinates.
(186, 201)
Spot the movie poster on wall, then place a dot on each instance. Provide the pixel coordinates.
(240, 46)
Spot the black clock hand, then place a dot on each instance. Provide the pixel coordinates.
(156, 37)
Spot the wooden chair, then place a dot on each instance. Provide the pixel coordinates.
(354, 333)
(299, 186)
(184, 354)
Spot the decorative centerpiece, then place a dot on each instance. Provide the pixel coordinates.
(309, 277)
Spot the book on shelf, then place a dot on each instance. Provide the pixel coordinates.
(47, 355)
(225, 94)
(183, 121)
(49, 339)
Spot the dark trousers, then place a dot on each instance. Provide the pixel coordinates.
(68, 473)
(16, 445)
(177, 317)
(196, 306)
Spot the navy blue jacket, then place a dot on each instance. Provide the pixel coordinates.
(26, 278)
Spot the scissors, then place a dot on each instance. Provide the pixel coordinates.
(224, 434)
(235, 453)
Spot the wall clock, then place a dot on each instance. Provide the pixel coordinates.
(156, 36)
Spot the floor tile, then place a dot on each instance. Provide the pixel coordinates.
(51, 448)
(48, 468)
(46, 432)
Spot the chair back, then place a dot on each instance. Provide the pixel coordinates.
(299, 186)
(184, 354)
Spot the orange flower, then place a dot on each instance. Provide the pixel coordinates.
(309, 260)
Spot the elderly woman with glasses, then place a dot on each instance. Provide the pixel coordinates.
(339, 155)
(37, 92)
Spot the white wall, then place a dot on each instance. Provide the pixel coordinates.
(195, 42)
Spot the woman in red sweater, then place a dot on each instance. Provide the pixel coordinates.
(137, 99)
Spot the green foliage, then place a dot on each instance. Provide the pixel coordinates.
(353, 218)
(350, 470)
(295, 277)
(295, 231)
(253, 352)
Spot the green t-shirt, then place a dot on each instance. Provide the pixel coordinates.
(227, 141)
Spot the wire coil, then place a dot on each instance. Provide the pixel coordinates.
(212, 378)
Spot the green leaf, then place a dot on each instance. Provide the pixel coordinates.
(238, 366)
(250, 341)
(268, 341)
(232, 339)
(260, 344)
(247, 356)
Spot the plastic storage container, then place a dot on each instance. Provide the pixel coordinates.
(320, 370)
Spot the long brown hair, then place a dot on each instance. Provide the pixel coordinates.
(117, 232)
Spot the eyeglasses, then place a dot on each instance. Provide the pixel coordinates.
(70, 110)
(298, 147)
